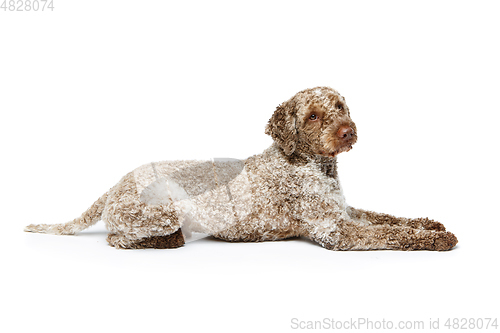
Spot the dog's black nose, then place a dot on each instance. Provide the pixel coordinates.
(345, 132)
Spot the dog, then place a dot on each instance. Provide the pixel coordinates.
(290, 190)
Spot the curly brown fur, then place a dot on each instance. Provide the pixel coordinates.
(292, 189)
(378, 218)
(171, 241)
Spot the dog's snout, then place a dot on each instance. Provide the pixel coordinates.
(345, 132)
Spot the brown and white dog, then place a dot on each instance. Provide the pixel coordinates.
(291, 189)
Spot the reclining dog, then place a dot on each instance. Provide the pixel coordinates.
(292, 189)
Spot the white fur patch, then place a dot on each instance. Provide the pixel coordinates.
(177, 193)
(156, 193)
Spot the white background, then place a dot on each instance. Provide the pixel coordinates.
(95, 88)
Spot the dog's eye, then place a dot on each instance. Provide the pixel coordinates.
(340, 107)
(313, 117)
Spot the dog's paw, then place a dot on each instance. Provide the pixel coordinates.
(445, 241)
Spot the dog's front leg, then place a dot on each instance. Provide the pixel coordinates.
(369, 217)
(350, 235)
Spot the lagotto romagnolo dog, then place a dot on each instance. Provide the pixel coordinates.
(292, 189)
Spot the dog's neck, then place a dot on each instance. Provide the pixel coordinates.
(328, 165)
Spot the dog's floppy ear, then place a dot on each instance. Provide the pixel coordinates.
(281, 127)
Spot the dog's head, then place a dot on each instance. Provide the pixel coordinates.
(313, 122)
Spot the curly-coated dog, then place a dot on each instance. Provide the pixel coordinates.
(292, 189)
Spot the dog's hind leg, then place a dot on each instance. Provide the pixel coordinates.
(135, 224)
(171, 241)
(120, 240)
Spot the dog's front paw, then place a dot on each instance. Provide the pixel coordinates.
(445, 241)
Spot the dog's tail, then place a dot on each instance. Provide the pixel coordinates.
(90, 217)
